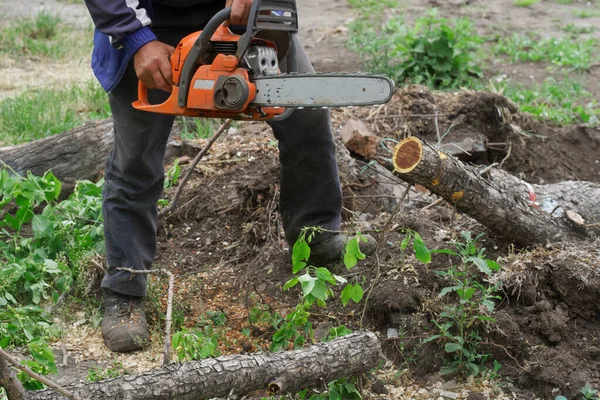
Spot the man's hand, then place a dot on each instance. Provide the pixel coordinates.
(240, 11)
(152, 65)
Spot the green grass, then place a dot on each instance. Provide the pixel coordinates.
(525, 3)
(586, 13)
(565, 102)
(578, 30)
(575, 54)
(435, 51)
(42, 35)
(40, 113)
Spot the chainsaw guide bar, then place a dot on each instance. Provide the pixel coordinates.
(322, 90)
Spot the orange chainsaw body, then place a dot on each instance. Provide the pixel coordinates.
(201, 92)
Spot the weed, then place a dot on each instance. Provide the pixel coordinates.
(437, 52)
(589, 393)
(42, 249)
(457, 325)
(196, 344)
(340, 389)
(565, 102)
(525, 3)
(578, 30)
(315, 283)
(198, 128)
(172, 175)
(40, 113)
(114, 371)
(586, 13)
(564, 52)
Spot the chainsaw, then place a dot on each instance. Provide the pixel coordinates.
(221, 74)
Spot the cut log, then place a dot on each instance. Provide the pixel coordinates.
(501, 210)
(77, 154)
(283, 372)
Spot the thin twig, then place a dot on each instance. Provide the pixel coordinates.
(370, 290)
(507, 353)
(507, 155)
(488, 168)
(389, 221)
(192, 167)
(56, 387)
(167, 349)
(431, 205)
(391, 116)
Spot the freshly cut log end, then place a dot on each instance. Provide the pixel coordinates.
(407, 155)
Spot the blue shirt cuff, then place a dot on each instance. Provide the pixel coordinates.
(134, 41)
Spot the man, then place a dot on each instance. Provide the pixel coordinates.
(133, 40)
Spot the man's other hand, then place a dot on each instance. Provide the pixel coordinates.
(240, 11)
(152, 65)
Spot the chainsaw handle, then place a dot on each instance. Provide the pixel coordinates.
(198, 53)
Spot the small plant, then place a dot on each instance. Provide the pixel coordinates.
(586, 13)
(196, 344)
(525, 3)
(437, 52)
(114, 371)
(574, 54)
(458, 324)
(172, 175)
(43, 245)
(337, 390)
(316, 283)
(589, 393)
(564, 102)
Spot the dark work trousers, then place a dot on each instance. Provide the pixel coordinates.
(134, 174)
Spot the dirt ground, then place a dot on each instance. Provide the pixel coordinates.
(227, 247)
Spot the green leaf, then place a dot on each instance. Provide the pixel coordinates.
(324, 275)
(307, 282)
(481, 264)
(291, 283)
(4, 342)
(452, 347)
(422, 253)
(319, 290)
(448, 289)
(485, 318)
(357, 293)
(493, 265)
(560, 398)
(404, 243)
(444, 251)
(300, 254)
(42, 227)
(347, 293)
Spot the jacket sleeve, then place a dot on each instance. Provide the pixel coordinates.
(126, 22)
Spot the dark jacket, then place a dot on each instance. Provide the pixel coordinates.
(122, 28)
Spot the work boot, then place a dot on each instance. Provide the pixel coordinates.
(331, 249)
(124, 325)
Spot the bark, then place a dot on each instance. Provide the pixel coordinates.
(502, 210)
(10, 382)
(283, 372)
(77, 154)
(557, 198)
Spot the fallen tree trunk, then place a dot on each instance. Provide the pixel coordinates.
(500, 209)
(556, 198)
(77, 154)
(283, 372)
